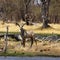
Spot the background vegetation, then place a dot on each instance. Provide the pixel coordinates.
(14, 10)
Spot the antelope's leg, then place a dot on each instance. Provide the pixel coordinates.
(31, 41)
(23, 42)
(35, 41)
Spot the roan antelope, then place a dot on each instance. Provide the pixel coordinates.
(26, 34)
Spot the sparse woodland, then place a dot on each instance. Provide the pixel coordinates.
(21, 23)
(15, 10)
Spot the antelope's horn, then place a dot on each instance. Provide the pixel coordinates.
(23, 24)
(17, 24)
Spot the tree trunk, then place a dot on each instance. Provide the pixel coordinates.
(45, 24)
(6, 42)
(27, 22)
(45, 13)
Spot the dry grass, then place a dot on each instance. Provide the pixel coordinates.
(44, 47)
(36, 28)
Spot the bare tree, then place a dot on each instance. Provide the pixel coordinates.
(26, 10)
(45, 12)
